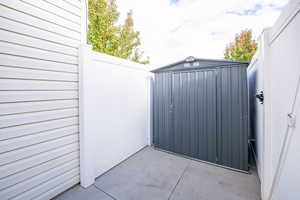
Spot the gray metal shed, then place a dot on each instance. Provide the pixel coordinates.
(200, 110)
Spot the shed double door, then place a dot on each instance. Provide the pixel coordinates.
(185, 114)
(203, 114)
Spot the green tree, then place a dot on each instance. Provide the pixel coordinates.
(102, 30)
(243, 48)
(137, 57)
(107, 37)
(130, 41)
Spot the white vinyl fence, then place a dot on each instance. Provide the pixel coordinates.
(278, 122)
(39, 123)
(114, 111)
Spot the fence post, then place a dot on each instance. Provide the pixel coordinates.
(87, 174)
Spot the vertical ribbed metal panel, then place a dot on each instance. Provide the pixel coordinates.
(203, 114)
(194, 114)
(162, 118)
(233, 118)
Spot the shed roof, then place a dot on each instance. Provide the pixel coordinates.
(191, 63)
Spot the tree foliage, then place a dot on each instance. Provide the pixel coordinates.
(107, 37)
(243, 48)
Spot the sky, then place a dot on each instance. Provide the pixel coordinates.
(172, 30)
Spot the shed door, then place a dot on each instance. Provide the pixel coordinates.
(203, 114)
(163, 136)
(194, 114)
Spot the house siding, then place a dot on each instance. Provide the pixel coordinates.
(39, 126)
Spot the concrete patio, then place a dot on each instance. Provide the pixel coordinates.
(156, 175)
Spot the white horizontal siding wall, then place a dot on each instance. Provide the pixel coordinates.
(39, 125)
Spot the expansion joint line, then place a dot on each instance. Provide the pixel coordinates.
(105, 192)
(178, 181)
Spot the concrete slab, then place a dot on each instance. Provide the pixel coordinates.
(206, 182)
(80, 193)
(149, 174)
(156, 175)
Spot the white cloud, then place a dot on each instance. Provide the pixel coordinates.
(171, 32)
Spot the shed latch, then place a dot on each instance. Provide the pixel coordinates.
(260, 97)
